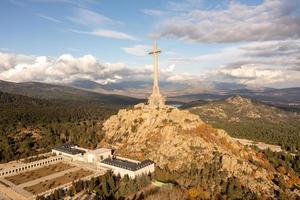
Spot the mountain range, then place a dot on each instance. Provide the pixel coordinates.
(136, 91)
(51, 91)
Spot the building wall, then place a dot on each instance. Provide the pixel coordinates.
(60, 153)
(118, 171)
(105, 155)
(146, 170)
(89, 156)
(132, 174)
(22, 167)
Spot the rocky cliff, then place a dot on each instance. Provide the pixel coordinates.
(178, 140)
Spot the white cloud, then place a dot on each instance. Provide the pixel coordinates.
(243, 64)
(52, 19)
(65, 68)
(137, 50)
(258, 76)
(271, 20)
(90, 18)
(169, 69)
(261, 64)
(107, 34)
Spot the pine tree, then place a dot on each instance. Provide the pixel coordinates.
(104, 185)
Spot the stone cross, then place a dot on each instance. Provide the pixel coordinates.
(156, 99)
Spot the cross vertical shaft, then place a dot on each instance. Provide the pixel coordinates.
(155, 68)
(156, 99)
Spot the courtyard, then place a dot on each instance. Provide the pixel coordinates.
(28, 184)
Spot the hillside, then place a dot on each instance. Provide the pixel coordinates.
(30, 125)
(195, 155)
(50, 91)
(250, 119)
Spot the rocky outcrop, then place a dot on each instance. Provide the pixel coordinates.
(177, 139)
(239, 109)
(238, 100)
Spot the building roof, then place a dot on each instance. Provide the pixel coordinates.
(67, 148)
(126, 164)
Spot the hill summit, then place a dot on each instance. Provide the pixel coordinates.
(180, 141)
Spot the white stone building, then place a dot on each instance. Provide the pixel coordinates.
(132, 168)
(75, 153)
(103, 158)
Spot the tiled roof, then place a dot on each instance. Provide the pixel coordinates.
(125, 164)
(67, 148)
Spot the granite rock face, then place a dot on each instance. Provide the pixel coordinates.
(178, 139)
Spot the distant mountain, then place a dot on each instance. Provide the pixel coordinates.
(223, 86)
(50, 91)
(285, 96)
(188, 92)
(140, 89)
(247, 118)
(128, 91)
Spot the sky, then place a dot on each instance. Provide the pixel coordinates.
(255, 43)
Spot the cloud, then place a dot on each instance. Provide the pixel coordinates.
(255, 64)
(67, 68)
(9, 60)
(273, 48)
(270, 20)
(95, 20)
(153, 12)
(241, 64)
(49, 18)
(255, 75)
(64, 68)
(90, 18)
(107, 34)
(261, 64)
(184, 6)
(137, 50)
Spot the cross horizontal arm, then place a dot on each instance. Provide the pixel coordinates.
(153, 52)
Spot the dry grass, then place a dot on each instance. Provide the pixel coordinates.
(52, 183)
(38, 173)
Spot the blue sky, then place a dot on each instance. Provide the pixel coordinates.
(198, 37)
(43, 27)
